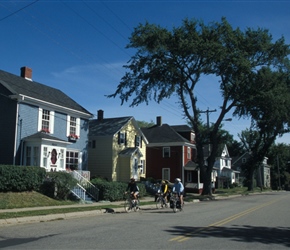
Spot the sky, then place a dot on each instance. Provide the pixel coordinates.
(79, 47)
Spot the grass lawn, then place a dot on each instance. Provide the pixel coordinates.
(10, 200)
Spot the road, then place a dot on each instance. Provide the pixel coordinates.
(259, 221)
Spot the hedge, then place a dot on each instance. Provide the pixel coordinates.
(21, 178)
(114, 190)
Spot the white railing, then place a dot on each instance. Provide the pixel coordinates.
(79, 192)
(91, 189)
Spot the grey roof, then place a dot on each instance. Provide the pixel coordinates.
(108, 126)
(182, 128)
(162, 134)
(41, 135)
(19, 85)
(130, 151)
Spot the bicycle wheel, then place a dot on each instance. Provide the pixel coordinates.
(137, 205)
(159, 203)
(128, 206)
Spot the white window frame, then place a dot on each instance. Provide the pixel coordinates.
(188, 152)
(68, 126)
(165, 173)
(51, 120)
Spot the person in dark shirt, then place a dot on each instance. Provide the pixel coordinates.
(134, 189)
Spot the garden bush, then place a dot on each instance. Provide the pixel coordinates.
(58, 185)
(21, 178)
(114, 190)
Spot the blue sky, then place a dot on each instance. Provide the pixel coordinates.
(79, 46)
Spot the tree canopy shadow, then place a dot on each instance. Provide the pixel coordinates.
(246, 233)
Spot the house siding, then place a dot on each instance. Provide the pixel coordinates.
(174, 162)
(100, 157)
(105, 159)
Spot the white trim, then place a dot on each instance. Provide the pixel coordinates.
(56, 107)
(78, 126)
(39, 119)
(67, 125)
(51, 121)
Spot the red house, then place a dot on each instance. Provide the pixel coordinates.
(170, 153)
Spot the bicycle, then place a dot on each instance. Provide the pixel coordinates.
(161, 201)
(131, 204)
(175, 202)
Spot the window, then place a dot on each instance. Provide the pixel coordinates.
(28, 156)
(192, 137)
(166, 173)
(244, 160)
(44, 157)
(35, 156)
(166, 152)
(72, 160)
(189, 176)
(141, 167)
(73, 126)
(45, 120)
(138, 141)
(61, 159)
(122, 138)
(188, 153)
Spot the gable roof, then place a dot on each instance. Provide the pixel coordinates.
(220, 150)
(40, 136)
(108, 126)
(163, 135)
(34, 91)
(182, 128)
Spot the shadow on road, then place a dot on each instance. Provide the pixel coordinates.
(265, 235)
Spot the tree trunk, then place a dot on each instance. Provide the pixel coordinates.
(207, 185)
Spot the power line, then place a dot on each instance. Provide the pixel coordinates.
(13, 13)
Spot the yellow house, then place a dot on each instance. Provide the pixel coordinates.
(117, 148)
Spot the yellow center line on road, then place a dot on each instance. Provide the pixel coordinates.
(222, 222)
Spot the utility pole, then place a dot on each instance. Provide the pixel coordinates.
(207, 119)
(278, 172)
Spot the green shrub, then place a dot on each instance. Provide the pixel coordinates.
(58, 185)
(114, 191)
(21, 178)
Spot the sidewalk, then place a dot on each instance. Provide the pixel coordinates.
(64, 216)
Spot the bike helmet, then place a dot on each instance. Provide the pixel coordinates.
(177, 180)
(132, 179)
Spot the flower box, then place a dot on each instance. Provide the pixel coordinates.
(73, 137)
(45, 130)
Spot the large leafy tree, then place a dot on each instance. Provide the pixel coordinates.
(279, 159)
(173, 62)
(269, 109)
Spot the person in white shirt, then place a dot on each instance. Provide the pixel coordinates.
(179, 188)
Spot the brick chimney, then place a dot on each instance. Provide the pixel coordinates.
(100, 115)
(159, 121)
(26, 73)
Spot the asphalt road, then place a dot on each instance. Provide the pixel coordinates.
(259, 221)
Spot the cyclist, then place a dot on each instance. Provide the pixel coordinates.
(134, 189)
(165, 190)
(179, 188)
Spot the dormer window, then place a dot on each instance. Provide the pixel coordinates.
(45, 121)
